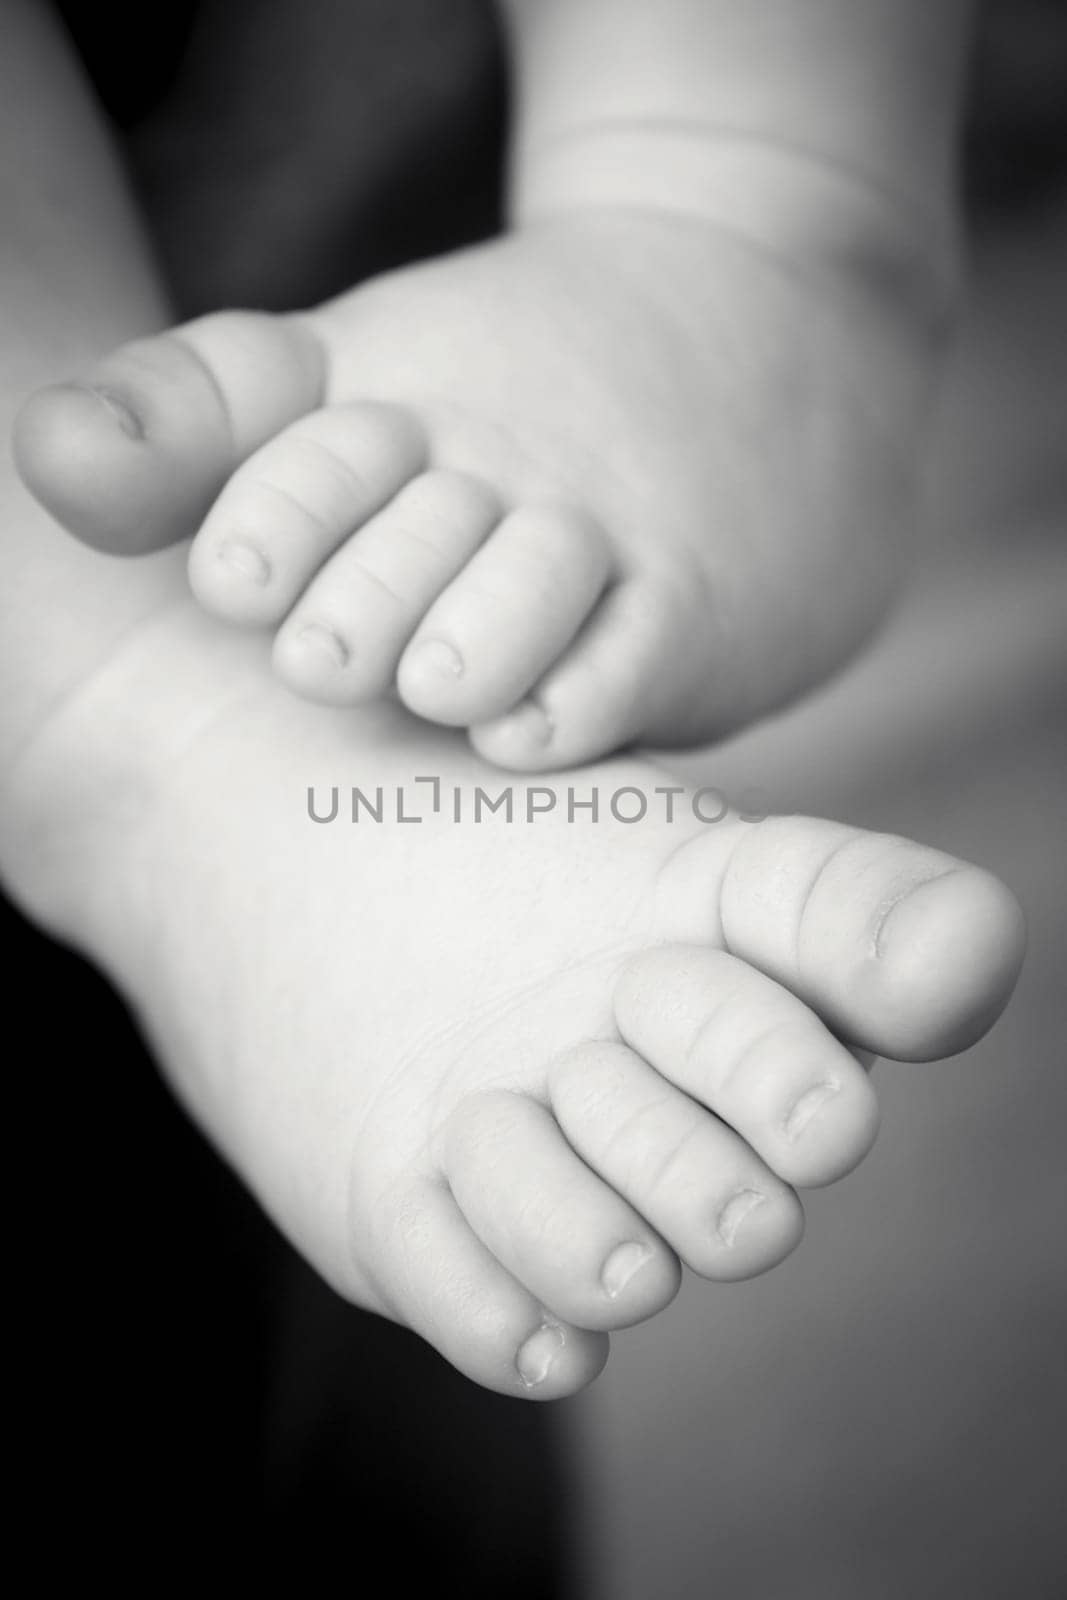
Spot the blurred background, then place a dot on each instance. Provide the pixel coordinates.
(884, 1415)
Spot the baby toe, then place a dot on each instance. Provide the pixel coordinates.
(599, 695)
(493, 632)
(342, 641)
(436, 1277)
(557, 1227)
(696, 1181)
(290, 505)
(752, 1053)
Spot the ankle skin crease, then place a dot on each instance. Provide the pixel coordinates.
(815, 128)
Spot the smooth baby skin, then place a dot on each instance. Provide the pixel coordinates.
(586, 484)
(495, 1081)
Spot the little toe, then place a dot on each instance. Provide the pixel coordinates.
(342, 641)
(752, 1053)
(130, 457)
(904, 950)
(435, 1277)
(599, 695)
(575, 1244)
(290, 505)
(696, 1181)
(517, 604)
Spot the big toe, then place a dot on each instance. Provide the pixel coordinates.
(130, 457)
(900, 948)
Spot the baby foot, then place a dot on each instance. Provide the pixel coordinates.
(612, 477)
(496, 1081)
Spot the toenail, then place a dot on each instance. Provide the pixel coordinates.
(324, 642)
(535, 1359)
(734, 1213)
(808, 1106)
(437, 658)
(124, 414)
(246, 560)
(532, 723)
(622, 1264)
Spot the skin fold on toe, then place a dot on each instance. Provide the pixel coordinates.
(493, 633)
(694, 1179)
(343, 640)
(289, 507)
(905, 951)
(753, 1054)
